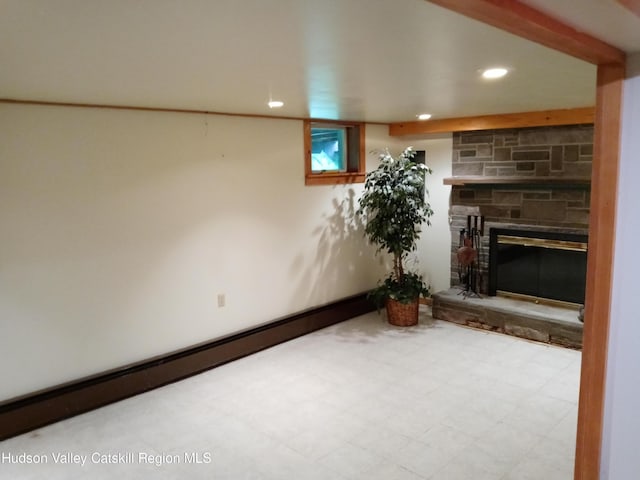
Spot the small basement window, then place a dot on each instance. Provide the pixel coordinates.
(334, 152)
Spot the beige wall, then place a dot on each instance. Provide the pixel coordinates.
(120, 228)
(434, 246)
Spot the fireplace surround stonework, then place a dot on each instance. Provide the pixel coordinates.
(545, 156)
(534, 179)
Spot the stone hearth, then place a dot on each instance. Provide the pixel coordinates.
(543, 323)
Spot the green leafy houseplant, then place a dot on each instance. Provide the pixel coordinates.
(394, 207)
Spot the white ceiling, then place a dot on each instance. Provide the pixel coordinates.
(607, 20)
(372, 60)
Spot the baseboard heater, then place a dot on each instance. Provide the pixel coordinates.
(57, 403)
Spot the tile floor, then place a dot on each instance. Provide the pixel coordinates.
(359, 400)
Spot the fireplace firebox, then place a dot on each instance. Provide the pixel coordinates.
(538, 264)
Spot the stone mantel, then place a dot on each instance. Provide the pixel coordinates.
(541, 182)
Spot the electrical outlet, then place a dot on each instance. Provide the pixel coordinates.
(221, 300)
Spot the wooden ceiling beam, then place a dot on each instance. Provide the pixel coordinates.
(631, 5)
(515, 17)
(545, 118)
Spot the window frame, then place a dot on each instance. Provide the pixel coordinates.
(355, 172)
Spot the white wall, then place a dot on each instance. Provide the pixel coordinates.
(433, 256)
(120, 228)
(434, 247)
(620, 459)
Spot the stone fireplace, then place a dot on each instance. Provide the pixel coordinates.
(534, 181)
(527, 179)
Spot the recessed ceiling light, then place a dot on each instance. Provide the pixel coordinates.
(492, 73)
(275, 104)
(424, 116)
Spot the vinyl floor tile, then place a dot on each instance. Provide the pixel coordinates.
(358, 400)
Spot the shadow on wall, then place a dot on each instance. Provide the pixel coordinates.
(344, 262)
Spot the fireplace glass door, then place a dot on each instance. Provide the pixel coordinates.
(540, 264)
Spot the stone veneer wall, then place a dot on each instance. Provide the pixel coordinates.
(535, 153)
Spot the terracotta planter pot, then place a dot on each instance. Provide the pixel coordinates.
(402, 314)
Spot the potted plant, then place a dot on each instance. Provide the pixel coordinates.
(394, 207)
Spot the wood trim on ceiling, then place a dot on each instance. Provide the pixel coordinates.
(44, 103)
(54, 404)
(544, 118)
(604, 185)
(632, 5)
(527, 22)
